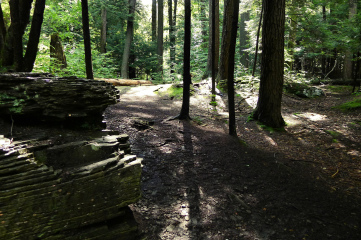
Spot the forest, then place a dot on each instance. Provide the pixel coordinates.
(245, 116)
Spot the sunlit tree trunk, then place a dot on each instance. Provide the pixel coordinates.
(226, 40)
(154, 20)
(347, 70)
(103, 32)
(216, 54)
(128, 40)
(243, 40)
(268, 108)
(87, 46)
(172, 38)
(160, 38)
(32, 47)
(184, 114)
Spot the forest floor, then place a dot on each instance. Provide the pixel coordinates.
(200, 183)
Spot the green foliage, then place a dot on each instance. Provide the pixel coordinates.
(197, 120)
(175, 91)
(334, 134)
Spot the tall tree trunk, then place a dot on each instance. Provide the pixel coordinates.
(128, 40)
(323, 57)
(216, 27)
(243, 40)
(257, 43)
(32, 47)
(103, 32)
(87, 46)
(347, 69)
(226, 41)
(154, 20)
(171, 32)
(3, 30)
(212, 39)
(172, 38)
(204, 22)
(268, 108)
(230, 80)
(184, 114)
(160, 38)
(292, 32)
(13, 48)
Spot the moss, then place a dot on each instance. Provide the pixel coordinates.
(347, 106)
(333, 133)
(339, 88)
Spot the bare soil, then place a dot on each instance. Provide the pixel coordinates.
(200, 183)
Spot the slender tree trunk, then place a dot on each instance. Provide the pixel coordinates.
(184, 114)
(34, 36)
(204, 22)
(87, 46)
(347, 70)
(268, 108)
(128, 40)
(172, 37)
(216, 30)
(171, 32)
(230, 80)
(257, 43)
(103, 32)
(160, 37)
(292, 32)
(154, 20)
(243, 40)
(213, 48)
(323, 57)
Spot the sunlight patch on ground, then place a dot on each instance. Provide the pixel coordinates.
(313, 116)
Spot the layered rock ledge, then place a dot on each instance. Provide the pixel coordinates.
(72, 190)
(42, 97)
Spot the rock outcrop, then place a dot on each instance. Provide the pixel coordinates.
(71, 190)
(42, 97)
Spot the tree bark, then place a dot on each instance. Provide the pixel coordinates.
(347, 70)
(160, 37)
(103, 32)
(268, 110)
(171, 33)
(184, 114)
(243, 40)
(3, 30)
(257, 43)
(292, 32)
(57, 55)
(13, 48)
(226, 41)
(128, 40)
(230, 81)
(172, 37)
(32, 47)
(216, 54)
(87, 44)
(154, 20)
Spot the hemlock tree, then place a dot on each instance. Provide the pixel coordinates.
(216, 42)
(184, 114)
(87, 46)
(160, 37)
(230, 80)
(128, 40)
(103, 31)
(226, 41)
(268, 110)
(32, 46)
(12, 47)
(154, 20)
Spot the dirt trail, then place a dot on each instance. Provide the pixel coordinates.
(199, 183)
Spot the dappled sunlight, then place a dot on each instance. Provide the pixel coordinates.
(313, 116)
